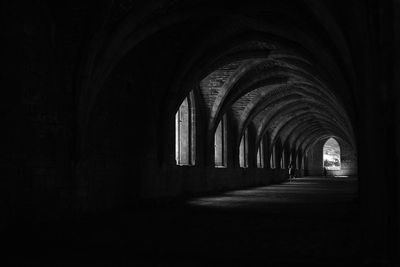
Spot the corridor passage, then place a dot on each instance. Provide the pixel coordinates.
(310, 220)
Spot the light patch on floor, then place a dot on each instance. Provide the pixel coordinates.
(301, 191)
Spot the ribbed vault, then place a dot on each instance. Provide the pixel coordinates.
(285, 76)
(284, 95)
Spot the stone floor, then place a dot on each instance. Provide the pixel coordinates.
(311, 221)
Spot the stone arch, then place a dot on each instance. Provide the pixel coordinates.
(103, 53)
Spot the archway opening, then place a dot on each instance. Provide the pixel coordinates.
(331, 155)
(273, 158)
(185, 132)
(260, 155)
(220, 144)
(244, 150)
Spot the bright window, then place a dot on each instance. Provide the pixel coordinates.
(260, 155)
(185, 133)
(244, 151)
(220, 144)
(272, 160)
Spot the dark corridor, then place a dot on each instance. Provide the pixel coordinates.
(164, 132)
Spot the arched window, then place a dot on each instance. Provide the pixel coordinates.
(185, 132)
(244, 150)
(220, 144)
(331, 155)
(272, 160)
(260, 155)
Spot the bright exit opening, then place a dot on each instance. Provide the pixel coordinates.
(331, 155)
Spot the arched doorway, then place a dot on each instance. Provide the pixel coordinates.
(331, 155)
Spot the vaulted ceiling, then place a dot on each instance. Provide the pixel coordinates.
(277, 91)
(283, 69)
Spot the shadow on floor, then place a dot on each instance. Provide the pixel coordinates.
(311, 221)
